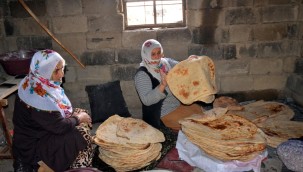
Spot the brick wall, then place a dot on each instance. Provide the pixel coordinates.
(255, 43)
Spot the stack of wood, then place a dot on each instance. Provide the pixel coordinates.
(224, 136)
(128, 144)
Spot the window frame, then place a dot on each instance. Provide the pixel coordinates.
(153, 26)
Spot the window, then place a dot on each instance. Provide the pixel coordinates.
(153, 13)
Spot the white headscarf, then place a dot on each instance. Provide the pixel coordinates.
(38, 90)
(153, 66)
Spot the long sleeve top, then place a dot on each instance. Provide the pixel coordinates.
(151, 96)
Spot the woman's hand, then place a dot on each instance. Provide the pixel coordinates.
(163, 82)
(192, 57)
(83, 117)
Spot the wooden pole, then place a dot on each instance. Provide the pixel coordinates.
(49, 33)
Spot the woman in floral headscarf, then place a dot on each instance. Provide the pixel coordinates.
(158, 102)
(47, 130)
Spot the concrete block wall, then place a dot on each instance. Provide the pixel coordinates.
(255, 44)
(294, 85)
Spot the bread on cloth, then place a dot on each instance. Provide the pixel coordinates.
(193, 80)
(128, 144)
(224, 136)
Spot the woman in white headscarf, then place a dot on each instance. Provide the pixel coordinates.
(46, 127)
(158, 102)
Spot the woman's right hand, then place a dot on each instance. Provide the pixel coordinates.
(83, 117)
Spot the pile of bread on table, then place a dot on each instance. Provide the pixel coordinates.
(227, 132)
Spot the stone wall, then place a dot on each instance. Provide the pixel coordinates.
(294, 85)
(255, 43)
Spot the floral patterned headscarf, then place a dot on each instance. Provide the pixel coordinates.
(38, 90)
(153, 66)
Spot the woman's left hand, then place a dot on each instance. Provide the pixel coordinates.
(192, 57)
(163, 82)
(83, 117)
(163, 78)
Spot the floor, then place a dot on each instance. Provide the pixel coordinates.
(271, 164)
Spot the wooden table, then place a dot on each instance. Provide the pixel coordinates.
(7, 88)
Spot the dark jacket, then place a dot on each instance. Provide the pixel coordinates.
(44, 135)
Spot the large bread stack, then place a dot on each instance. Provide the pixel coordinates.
(224, 136)
(128, 144)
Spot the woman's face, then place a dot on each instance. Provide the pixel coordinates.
(156, 54)
(58, 73)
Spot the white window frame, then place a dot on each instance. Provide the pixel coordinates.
(155, 25)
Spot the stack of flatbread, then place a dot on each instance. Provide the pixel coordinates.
(128, 144)
(274, 119)
(224, 136)
(193, 80)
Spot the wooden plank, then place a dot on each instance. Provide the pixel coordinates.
(4, 92)
(8, 87)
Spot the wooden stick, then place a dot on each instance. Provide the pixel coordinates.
(49, 33)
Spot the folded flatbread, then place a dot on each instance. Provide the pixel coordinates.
(227, 102)
(126, 131)
(138, 131)
(258, 112)
(128, 144)
(279, 131)
(193, 80)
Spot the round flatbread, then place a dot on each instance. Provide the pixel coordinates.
(138, 131)
(193, 80)
(125, 131)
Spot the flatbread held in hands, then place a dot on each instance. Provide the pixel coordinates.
(193, 80)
